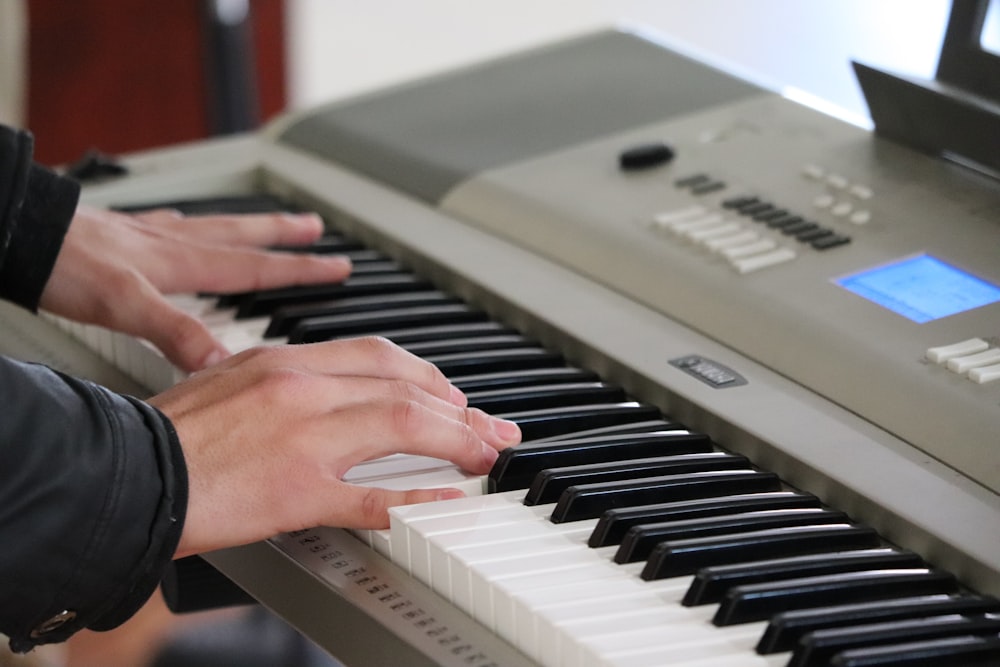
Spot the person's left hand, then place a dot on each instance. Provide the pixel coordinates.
(114, 270)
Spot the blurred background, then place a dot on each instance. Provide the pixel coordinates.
(125, 75)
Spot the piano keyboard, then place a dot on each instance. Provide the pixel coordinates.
(613, 535)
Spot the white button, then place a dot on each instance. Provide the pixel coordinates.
(943, 353)
(841, 209)
(703, 234)
(742, 238)
(823, 201)
(861, 217)
(686, 225)
(762, 261)
(861, 191)
(813, 171)
(985, 374)
(665, 218)
(754, 248)
(964, 364)
(836, 181)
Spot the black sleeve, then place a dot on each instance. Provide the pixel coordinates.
(36, 207)
(93, 491)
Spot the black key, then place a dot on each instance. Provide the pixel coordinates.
(545, 396)
(546, 423)
(408, 335)
(316, 329)
(785, 629)
(646, 426)
(672, 559)
(549, 484)
(711, 583)
(263, 302)
(968, 651)
(426, 348)
(494, 361)
(377, 268)
(248, 203)
(516, 467)
(756, 602)
(640, 540)
(523, 378)
(334, 244)
(589, 501)
(818, 648)
(284, 319)
(613, 524)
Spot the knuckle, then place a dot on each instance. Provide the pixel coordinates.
(282, 384)
(382, 349)
(372, 506)
(406, 416)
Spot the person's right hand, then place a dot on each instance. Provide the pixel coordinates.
(268, 435)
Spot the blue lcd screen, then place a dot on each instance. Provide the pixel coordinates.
(921, 288)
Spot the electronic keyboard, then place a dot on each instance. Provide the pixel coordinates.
(754, 351)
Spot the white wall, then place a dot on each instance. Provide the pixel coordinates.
(343, 47)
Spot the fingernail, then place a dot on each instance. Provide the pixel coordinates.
(506, 430)
(490, 455)
(342, 262)
(310, 219)
(214, 357)
(449, 494)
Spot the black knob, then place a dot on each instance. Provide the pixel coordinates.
(645, 156)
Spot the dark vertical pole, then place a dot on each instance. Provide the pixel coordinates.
(233, 97)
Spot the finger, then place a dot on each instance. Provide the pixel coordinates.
(409, 427)
(368, 508)
(214, 269)
(370, 356)
(260, 229)
(184, 340)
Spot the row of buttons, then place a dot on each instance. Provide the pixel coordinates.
(744, 248)
(973, 358)
(788, 223)
(843, 198)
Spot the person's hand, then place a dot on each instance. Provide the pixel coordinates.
(114, 269)
(268, 434)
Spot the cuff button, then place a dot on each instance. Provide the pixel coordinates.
(54, 623)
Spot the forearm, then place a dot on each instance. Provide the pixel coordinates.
(93, 492)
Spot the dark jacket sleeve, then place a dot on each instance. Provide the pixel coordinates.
(36, 207)
(93, 486)
(93, 491)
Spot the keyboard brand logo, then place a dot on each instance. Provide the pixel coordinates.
(710, 372)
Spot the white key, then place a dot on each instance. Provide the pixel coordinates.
(671, 643)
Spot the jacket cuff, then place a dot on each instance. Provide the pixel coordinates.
(48, 203)
(114, 467)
